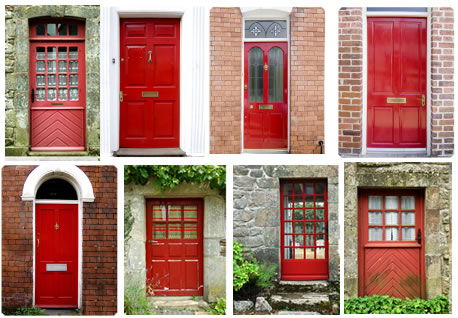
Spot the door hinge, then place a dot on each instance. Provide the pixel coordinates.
(121, 96)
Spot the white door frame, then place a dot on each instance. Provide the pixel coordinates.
(265, 14)
(83, 187)
(427, 15)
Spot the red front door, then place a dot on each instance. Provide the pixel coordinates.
(266, 96)
(150, 83)
(396, 83)
(56, 255)
(57, 87)
(304, 230)
(391, 254)
(174, 247)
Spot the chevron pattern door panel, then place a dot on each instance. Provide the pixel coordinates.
(57, 87)
(391, 255)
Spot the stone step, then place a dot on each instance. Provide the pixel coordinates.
(310, 302)
(287, 313)
(181, 304)
(317, 286)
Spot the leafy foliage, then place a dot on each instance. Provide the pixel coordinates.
(390, 305)
(27, 311)
(129, 220)
(246, 269)
(218, 308)
(168, 177)
(136, 301)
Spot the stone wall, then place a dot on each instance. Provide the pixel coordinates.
(351, 103)
(214, 233)
(257, 209)
(435, 179)
(17, 72)
(99, 250)
(307, 27)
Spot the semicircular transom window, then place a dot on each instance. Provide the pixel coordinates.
(56, 189)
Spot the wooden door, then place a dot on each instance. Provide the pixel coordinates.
(266, 96)
(150, 83)
(57, 87)
(396, 83)
(304, 230)
(174, 247)
(391, 243)
(56, 255)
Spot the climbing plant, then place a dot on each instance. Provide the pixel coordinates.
(168, 177)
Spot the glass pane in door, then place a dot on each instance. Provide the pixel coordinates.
(275, 75)
(255, 75)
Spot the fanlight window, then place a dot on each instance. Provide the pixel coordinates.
(56, 189)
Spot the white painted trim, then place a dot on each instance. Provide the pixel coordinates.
(426, 15)
(79, 180)
(266, 14)
(74, 175)
(193, 40)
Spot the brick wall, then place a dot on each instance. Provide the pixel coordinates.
(442, 64)
(225, 80)
(350, 80)
(99, 241)
(307, 79)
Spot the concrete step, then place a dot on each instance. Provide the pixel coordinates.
(309, 302)
(149, 152)
(317, 286)
(180, 305)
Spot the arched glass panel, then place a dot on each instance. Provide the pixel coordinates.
(255, 75)
(275, 75)
(56, 189)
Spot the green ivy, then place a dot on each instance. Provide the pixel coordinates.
(168, 177)
(390, 305)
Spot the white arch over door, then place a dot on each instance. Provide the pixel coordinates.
(83, 187)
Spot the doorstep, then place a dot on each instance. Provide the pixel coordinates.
(266, 151)
(149, 152)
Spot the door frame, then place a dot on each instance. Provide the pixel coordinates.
(399, 14)
(83, 187)
(110, 119)
(390, 191)
(264, 14)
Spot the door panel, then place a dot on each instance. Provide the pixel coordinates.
(391, 243)
(266, 96)
(150, 75)
(304, 230)
(58, 96)
(174, 247)
(56, 260)
(396, 83)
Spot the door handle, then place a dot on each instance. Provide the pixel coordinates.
(121, 96)
(38, 242)
(419, 236)
(149, 56)
(423, 99)
(33, 95)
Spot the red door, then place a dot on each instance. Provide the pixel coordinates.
(396, 82)
(150, 83)
(57, 87)
(56, 258)
(174, 246)
(391, 243)
(304, 230)
(266, 96)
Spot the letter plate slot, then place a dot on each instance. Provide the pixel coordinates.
(266, 106)
(56, 267)
(57, 104)
(396, 100)
(150, 94)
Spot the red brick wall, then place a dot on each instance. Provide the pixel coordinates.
(225, 80)
(99, 241)
(350, 80)
(307, 79)
(442, 64)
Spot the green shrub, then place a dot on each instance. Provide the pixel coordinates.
(390, 305)
(243, 270)
(218, 308)
(26, 311)
(265, 275)
(136, 301)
